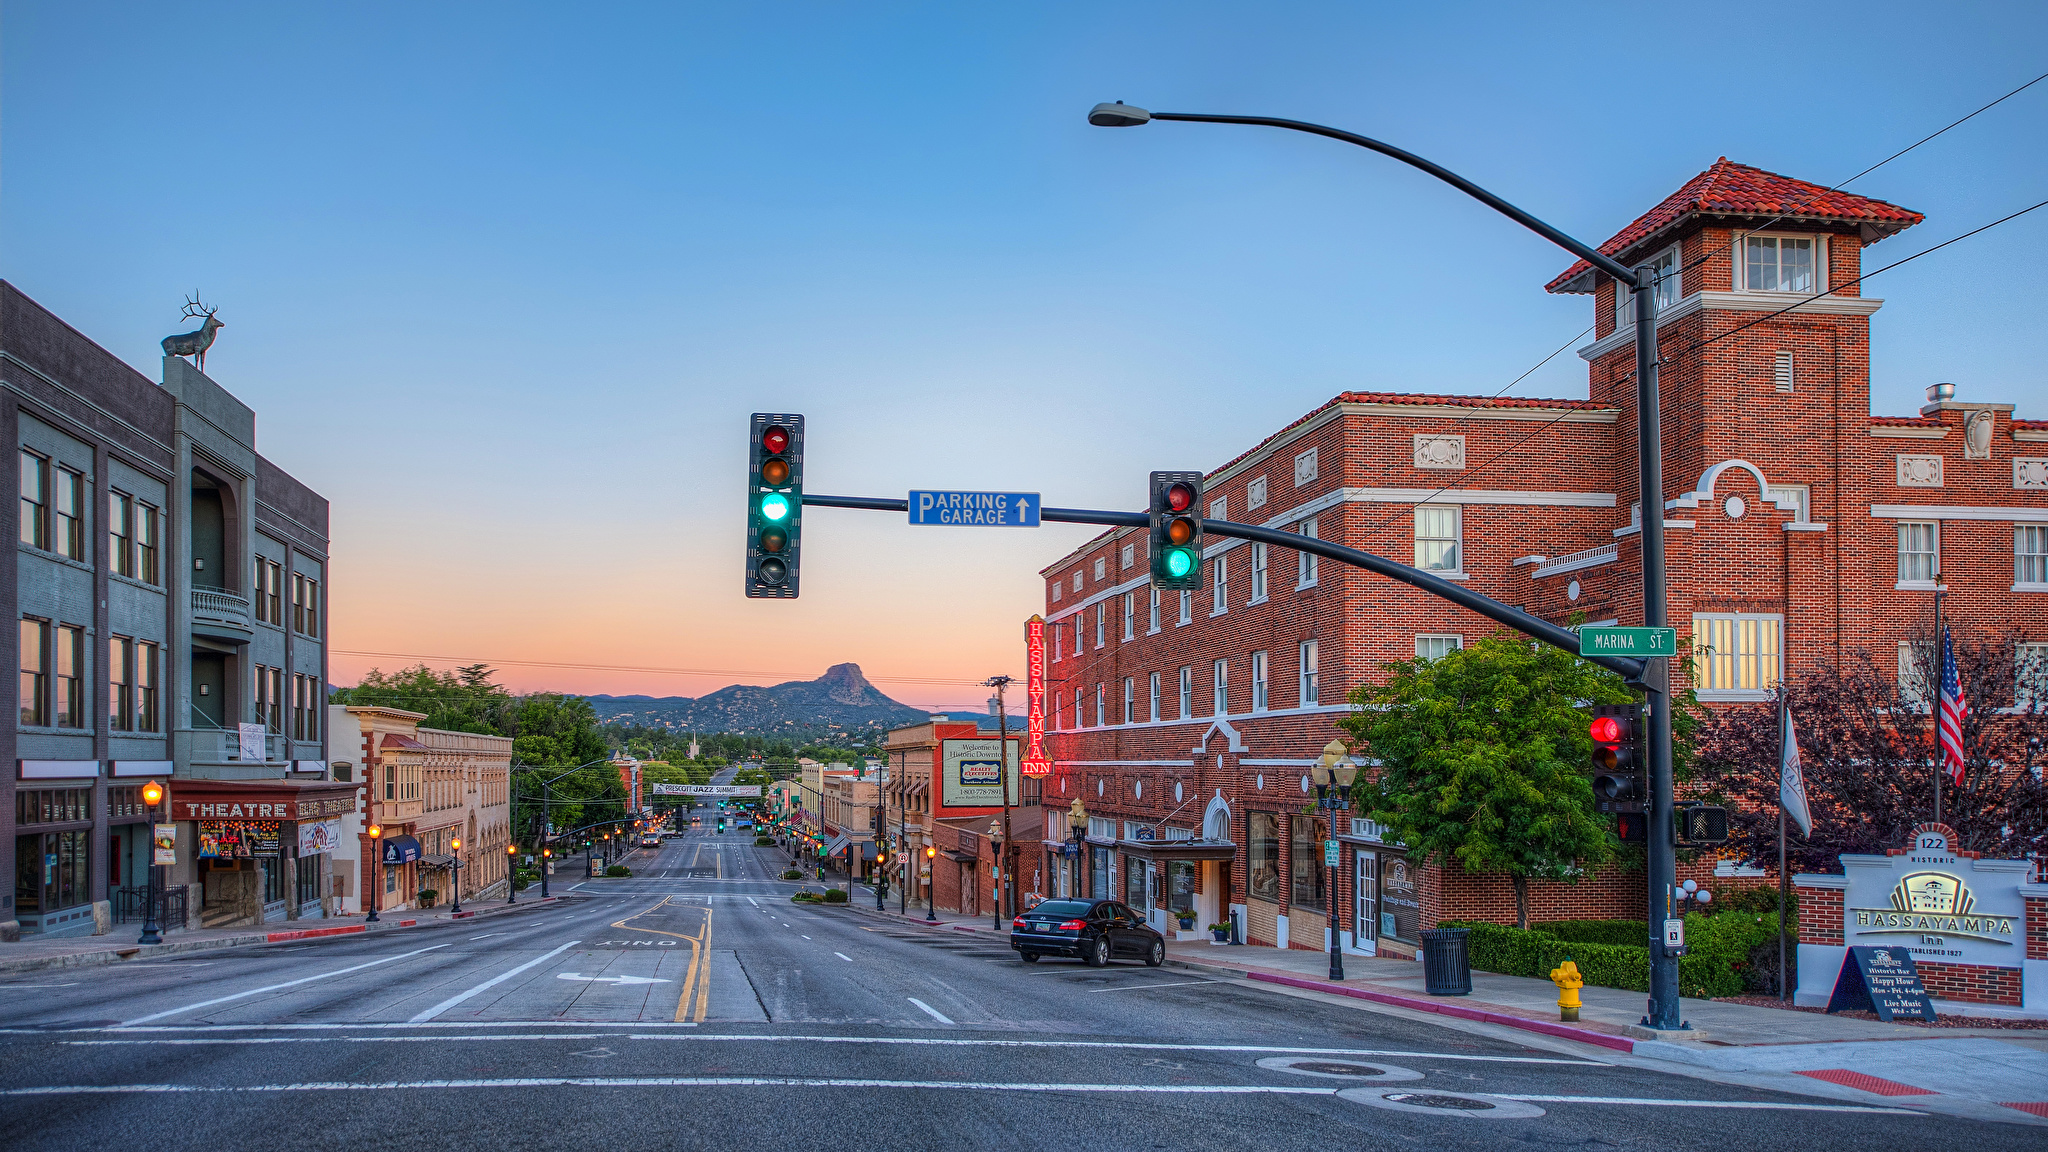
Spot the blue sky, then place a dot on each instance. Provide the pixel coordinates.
(503, 280)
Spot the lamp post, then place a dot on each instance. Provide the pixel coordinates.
(1334, 772)
(511, 873)
(1654, 680)
(1077, 821)
(376, 892)
(455, 875)
(152, 795)
(995, 837)
(931, 913)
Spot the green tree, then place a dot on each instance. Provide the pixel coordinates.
(552, 732)
(1483, 758)
(464, 700)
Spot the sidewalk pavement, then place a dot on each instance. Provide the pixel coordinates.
(36, 954)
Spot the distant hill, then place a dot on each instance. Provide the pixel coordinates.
(839, 703)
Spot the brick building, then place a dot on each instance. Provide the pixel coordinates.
(1797, 522)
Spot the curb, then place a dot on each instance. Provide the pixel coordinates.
(147, 951)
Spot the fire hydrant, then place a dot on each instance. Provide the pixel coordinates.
(1566, 977)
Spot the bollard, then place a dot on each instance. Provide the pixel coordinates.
(1566, 977)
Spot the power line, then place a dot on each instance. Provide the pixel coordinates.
(459, 661)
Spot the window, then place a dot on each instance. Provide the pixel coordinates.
(1187, 691)
(1306, 888)
(1219, 587)
(1255, 494)
(1311, 690)
(1914, 666)
(1153, 616)
(1436, 537)
(1263, 863)
(70, 533)
(1219, 508)
(1101, 569)
(1077, 579)
(1305, 562)
(148, 662)
(1221, 698)
(1059, 636)
(1778, 264)
(390, 791)
(1919, 551)
(1794, 498)
(1080, 717)
(1099, 607)
(1668, 290)
(35, 500)
(1436, 647)
(1129, 556)
(270, 698)
(1258, 573)
(2029, 554)
(1056, 591)
(69, 658)
(52, 805)
(1259, 663)
(2030, 679)
(1099, 720)
(120, 683)
(35, 673)
(269, 589)
(1155, 696)
(146, 522)
(1130, 698)
(306, 604)
(1187, 607)
(306, 702)
(1735, 653)
(120, 534)
(1305, 468)
(1781, 372)
(1130, 614)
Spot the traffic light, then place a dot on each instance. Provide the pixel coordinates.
(1175, 548)
(1702, 824)
(775, 499)
(1617, 732)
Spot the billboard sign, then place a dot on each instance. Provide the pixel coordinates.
(972, 776)
(1036, 762)
(707, 789)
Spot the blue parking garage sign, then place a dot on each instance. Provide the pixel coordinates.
(975, 509)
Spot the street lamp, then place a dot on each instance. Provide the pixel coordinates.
(511, 873)
(1077, 823)
(1653, 676)
(931, 914)
(995, 837)
(455, 875)
(152, 795)
(1334, 772)
(376, 892)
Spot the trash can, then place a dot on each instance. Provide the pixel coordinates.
(1446, 963)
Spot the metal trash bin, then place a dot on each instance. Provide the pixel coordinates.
(1447, 962)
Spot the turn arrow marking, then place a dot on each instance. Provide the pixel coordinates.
(611, 979)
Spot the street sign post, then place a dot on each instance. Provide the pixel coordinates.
(975, 509)
(1628, 641)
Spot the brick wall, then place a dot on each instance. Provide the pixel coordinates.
(1820, 916)
(2037, 927)
(1971, 983)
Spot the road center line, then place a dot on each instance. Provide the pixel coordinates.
(844, 956)
(500, 978)
(275, 987)
(934, 1013)
(1771, 1105)
(1143, 987)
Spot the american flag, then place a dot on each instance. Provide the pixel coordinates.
(1949, 728)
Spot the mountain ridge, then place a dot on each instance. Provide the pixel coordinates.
(840, 702)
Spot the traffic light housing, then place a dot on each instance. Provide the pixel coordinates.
(1618, 757)
(1175, 545)
(775, 500)
(1632, 827)
(1702, 824)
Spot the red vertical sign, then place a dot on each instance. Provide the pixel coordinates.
(1036, 762)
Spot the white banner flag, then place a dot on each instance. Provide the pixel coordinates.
(1792, 782)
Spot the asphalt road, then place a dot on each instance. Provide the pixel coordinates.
(693, 1005)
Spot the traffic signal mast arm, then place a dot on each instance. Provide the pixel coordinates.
(1631, 670)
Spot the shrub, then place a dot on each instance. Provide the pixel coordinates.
(618, 870)
(835, 895)
(1719, 952)
(804, 898)
(520, 884)
(1500, 948)
(1601, 965)
(764, 841)
(427, 896)
(1625, 933)
(792, 874)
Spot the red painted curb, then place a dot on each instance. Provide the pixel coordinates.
(304, 933)
(407, 923)
(1618, 1043)
(462, 915)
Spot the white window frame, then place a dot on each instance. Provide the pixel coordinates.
(1305, 469)
(1077, 580)
(1306, 569)
(1220, 688)
(1101, 569)
(2030, 567)
(1255, 493)
(1187, 691)
(1080, 708)
(1130, 616)
(1153, 612)
(1739, 273)
(1916, 692)
(1311, 682)
(1262, 667)
(1219, 508)
(1155, 697)
(1100, 613)
(1260, 570)
(2030, 681)
(1934, 535)
(1187, 608)
(1798, 495)
(1219, 585)
(1101, 699)
(1751, 675)
(1437, 645)
(1130, 698)
(1457, 538)
(1129, 556)
(1056, 590)
(1670, 290)
(1059, 638)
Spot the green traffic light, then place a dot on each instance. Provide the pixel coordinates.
(1179, 562)
(775, 507)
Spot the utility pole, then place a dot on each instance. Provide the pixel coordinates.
(1003, 774)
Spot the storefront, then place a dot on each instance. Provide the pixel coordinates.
(53, 855)
(262, 850)
(1164, 878)
(1386, 912)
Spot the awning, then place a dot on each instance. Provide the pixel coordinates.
(962, 857)
(437, 861)
(837, 844)
(1178, 849)
(393, 742)
(401, 849)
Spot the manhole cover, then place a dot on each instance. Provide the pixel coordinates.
(1430, 1100)
(1335, 1069)
(1472, 1105)
(1338, 1069)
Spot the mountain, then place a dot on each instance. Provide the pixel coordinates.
(841, 702)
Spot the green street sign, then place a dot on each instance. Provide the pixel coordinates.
(1330, 853)
(1628, 641)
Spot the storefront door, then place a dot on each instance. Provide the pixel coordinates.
(53, 881)
(1365, 912)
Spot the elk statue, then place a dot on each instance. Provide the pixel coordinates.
(195, 344)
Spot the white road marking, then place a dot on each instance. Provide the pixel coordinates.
(487, 936)
(1143, 987)
(275, 987)
(612, 979)
(934, 1013)
(805, 937)
(65, 985)
(683, 1082)
(1770, 1105)
(337, 1039)
(844, 956)
(501, 977)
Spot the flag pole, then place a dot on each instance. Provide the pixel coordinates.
(1934, 705)
(1784, 878)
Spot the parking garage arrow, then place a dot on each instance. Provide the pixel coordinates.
(611, 979)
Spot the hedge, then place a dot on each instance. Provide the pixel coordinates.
(835, 895)
(1718, 951)
(1627, 933)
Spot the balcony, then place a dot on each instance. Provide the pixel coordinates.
(222, 615)
(214, 753)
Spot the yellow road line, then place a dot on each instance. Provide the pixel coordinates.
(704, 985)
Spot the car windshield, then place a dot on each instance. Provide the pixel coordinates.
(1062, 908)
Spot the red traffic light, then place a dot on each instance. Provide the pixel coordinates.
(775, 438)
(1179, 497)
(1609, 730)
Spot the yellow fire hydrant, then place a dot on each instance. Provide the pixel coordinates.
(1566, 977)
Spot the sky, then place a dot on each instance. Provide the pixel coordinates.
(503, 281)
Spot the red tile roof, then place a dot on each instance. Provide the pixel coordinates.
(1905, 421)
(1731, 189)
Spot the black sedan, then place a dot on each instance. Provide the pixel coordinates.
(1097, 931)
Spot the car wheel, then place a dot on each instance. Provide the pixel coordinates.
(1030, 957)
(1157, 955)
(1097, 954)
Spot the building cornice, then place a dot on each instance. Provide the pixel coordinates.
(1766, 302)
(2037, 515)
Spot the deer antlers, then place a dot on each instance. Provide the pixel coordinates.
(195, 310)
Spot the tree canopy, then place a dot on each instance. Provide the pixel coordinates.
(464, 700)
